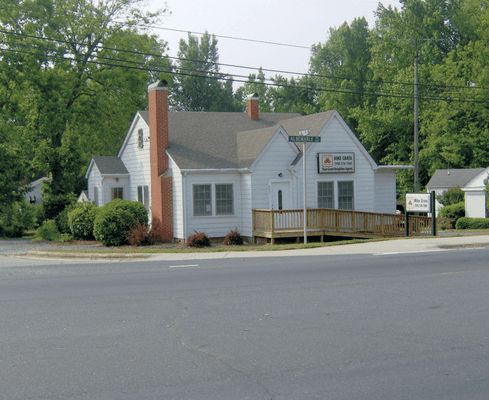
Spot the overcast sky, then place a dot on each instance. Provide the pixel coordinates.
(300, 23)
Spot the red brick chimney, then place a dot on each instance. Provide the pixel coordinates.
(253, 112)
(161, 187)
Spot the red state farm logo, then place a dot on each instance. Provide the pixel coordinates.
(326, 160)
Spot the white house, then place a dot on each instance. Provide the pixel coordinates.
(471, 180)
(34, 195)
(207, 171)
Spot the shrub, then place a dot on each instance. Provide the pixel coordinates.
(198, 240)
(451, 196)
(13, 231)
(141, 235)
(115, 219)
(80, 220)
(454, 212)
(62, 221)
(472, 223)
(16, 218)
(233, 238)
(444, 223)
(48, 230)
(53, 205)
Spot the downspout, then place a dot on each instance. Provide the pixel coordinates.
(102, 191)
(184, 200)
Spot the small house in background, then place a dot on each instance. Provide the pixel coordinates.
(208, 171)
(34, 196)
(471, 180)
(83, 198)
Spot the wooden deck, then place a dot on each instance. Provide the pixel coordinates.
(274, 224)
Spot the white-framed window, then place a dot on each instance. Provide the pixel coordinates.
(224, 199)
(95, 195)
(345, 195)
(140, 139)
(117, 193)
(202, 200)
(217, 199)
(143, 196)
(326, 194)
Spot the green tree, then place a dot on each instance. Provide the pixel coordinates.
(433, 29)
(256, 84)
(198, 84)
(294, 95)
(72, 73)
(457, 129)
(341, 68)
(12, 173)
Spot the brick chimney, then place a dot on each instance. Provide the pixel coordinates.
(253, 112)
(161, 187)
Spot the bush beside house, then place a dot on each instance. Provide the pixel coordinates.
(453, 212)
(81, 219)
(116, 219)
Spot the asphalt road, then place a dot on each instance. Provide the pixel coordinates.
(411, 326)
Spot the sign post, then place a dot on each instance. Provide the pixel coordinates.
(304, 139)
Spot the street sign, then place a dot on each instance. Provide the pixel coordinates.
(305, 132)
(307, 139)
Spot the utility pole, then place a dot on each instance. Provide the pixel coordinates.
(416, 139)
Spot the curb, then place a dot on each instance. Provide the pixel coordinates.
(85, 256)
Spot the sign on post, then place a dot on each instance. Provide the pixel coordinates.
(304, 138)
(418, 202)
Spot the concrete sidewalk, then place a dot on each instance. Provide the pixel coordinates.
(412, 245)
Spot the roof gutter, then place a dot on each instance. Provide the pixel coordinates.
(240, 170)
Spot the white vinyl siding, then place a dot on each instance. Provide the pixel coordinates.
(137, 161)
(214, 225)
(279, 155)
(385, 191)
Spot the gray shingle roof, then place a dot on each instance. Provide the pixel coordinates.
(214, 140)
(110, 165)
(209, 140)
(456, 178)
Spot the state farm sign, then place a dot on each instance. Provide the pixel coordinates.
(332, 163)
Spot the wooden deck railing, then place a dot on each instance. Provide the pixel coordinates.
(322, 221)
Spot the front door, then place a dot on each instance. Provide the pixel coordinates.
(280, 196)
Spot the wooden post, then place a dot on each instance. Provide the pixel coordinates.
(272, 226)
(433, 213)
(321, 223)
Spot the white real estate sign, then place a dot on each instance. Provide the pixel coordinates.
(418, 202)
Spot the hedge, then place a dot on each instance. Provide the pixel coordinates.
(472, 223)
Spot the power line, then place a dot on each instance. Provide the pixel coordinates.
(427, 86)
(230, 37)
(392, 94)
